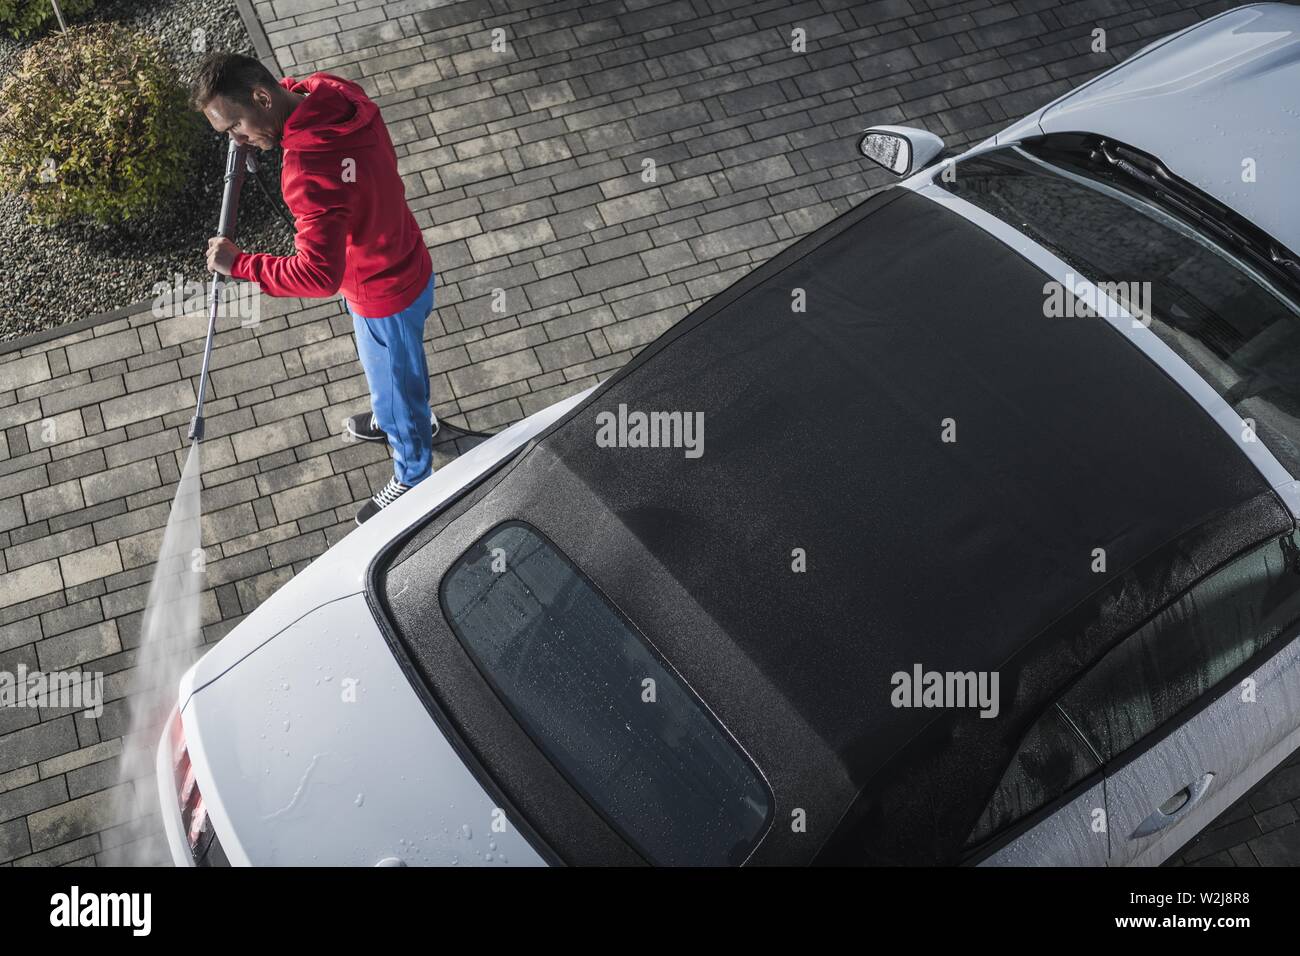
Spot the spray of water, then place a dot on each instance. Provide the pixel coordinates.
(170, 640)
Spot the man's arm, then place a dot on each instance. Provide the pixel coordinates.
(321, 215)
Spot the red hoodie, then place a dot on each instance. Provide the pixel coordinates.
(340, 181)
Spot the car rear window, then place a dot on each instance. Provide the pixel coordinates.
(602, 705)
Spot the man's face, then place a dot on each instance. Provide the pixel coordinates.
(245, 123)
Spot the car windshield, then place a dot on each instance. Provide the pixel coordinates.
(1226, 320)
(602, 706)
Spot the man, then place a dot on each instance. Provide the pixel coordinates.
(355, 235)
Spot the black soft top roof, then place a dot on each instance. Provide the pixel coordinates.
(823, 432)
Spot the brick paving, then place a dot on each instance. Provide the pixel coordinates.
(1260, 829)
(524, 168)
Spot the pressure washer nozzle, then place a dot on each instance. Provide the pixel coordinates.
(196, 428)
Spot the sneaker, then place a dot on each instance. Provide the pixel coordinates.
(364, 426)
(386, 496)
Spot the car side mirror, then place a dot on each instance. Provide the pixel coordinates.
(900, 149)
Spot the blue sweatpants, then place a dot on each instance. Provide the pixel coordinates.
(391, 350)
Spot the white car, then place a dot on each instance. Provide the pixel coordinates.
(962, 531)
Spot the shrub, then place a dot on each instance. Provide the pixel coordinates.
(93, 124)
(22, 17)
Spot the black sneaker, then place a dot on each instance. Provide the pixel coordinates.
(386, 496)
(364, 426)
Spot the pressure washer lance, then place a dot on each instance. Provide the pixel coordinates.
(239, 159)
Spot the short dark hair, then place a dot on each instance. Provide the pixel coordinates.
(231, 75)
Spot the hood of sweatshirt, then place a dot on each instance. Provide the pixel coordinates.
(336, 114)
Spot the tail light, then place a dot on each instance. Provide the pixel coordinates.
(199, 834)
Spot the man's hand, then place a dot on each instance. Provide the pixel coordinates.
(221, 254)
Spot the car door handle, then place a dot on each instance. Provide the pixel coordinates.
(1173, 809)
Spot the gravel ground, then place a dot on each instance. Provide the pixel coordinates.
(53, 275)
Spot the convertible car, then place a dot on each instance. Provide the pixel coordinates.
(1027, 422)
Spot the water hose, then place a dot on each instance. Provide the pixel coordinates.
(239, 160)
